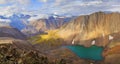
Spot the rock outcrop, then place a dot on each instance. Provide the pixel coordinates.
(21, 52)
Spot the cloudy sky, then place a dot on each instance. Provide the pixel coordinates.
(60, 7)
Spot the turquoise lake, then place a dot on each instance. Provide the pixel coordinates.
(93, 52)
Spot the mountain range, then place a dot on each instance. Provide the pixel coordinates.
(23, 23)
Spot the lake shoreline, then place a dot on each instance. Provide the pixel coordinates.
(76, 52)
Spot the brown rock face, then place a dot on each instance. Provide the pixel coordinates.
(89, 27)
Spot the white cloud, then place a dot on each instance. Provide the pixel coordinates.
(24, 2)
(38, 17)
(61, 7)
(59, 2)
(5, 20)
(16, 6)
(3, 1)
(80, 7)
(8, 11)
(114, 9)
(43, 1)
(69, 6)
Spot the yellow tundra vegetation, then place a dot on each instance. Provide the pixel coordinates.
(51, 38)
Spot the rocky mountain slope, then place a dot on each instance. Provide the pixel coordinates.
(15, 51)
(90, 27)
(11, 32)
(35, 27)
(41, 25)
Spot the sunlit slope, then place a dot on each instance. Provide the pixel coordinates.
(51, 36)
(47, 42)
(91, 26)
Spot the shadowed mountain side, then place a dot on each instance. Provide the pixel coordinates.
(11, 32)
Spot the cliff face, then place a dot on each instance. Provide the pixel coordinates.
(91, 26)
